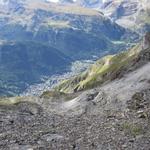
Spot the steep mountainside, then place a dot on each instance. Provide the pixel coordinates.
(105, 69)
(68, 32)
(110, 116)
(24, 63)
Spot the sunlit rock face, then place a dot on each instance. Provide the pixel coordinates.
(133, 14)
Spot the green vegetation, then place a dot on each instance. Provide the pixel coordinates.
(10, 101)
(57, 95)
(25, 62)
(15, 100)
(102, 71)
(133, 129)
(49, 94)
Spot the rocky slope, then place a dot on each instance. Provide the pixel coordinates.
(111, 116)
(132, 14)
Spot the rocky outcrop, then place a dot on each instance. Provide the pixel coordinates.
(146, 41)
(133, 14)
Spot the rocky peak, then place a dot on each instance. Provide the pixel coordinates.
(131, 14)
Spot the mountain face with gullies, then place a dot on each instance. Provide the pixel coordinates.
(110, 113)
(40, 38)
(132, 14)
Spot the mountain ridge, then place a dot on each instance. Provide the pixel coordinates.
(129, 14)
